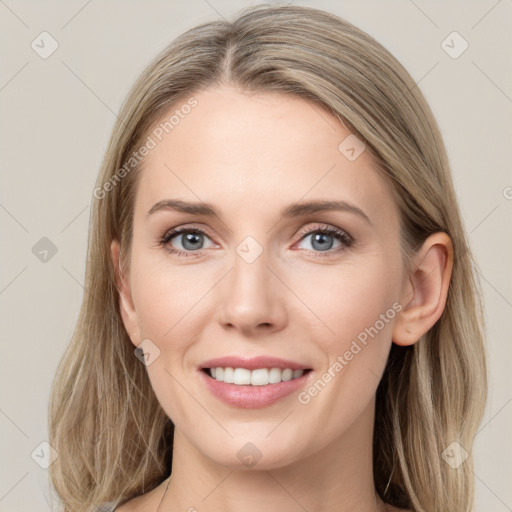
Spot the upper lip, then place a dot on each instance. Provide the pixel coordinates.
(252, 363)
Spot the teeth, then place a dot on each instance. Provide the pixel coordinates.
(259, 377)
(229, 375)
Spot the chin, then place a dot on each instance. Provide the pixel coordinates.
(258, 453)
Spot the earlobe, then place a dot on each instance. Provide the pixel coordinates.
(424, 295)
(126, 305)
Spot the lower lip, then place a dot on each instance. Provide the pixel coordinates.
(252, 397)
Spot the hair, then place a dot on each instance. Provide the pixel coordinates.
(113, 439)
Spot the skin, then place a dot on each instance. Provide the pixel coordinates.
(251, 155)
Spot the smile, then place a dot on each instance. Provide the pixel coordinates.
(257, 377)
(254, 382)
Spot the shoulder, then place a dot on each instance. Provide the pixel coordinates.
(140, 503)
(148, 501)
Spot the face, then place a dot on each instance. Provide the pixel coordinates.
(318, 289)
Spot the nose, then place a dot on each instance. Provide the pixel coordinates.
(252, 298)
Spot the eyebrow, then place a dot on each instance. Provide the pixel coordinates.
(291, 211)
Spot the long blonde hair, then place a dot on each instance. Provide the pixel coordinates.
(113, 439)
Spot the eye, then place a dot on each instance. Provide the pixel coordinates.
(190, 241)
(322, 239)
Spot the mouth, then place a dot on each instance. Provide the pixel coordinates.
(256, 377)
(255, 382)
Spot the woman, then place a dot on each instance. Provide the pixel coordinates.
(281, 305)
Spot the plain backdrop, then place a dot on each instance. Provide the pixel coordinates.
(56, 117)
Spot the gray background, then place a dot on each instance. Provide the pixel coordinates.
(57, 114)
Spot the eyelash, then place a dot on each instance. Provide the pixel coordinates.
(340, 235)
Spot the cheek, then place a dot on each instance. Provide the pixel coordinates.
(359, 308)
(357, 312)
(165, 297)
(342, 301)
(167, 303)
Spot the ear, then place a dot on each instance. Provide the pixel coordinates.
(425, 291)
(125, 298)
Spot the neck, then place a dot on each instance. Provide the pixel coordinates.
(338, 478)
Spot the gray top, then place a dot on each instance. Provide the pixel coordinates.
(107, 507)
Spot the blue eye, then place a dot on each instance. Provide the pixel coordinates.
(323, 239)
(190, 240)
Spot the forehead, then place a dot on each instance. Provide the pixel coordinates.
(254, 151)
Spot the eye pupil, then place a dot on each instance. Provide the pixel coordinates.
(320, 238)
(191, 238)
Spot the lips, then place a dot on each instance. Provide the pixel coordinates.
(248, 393)
(253, 363)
